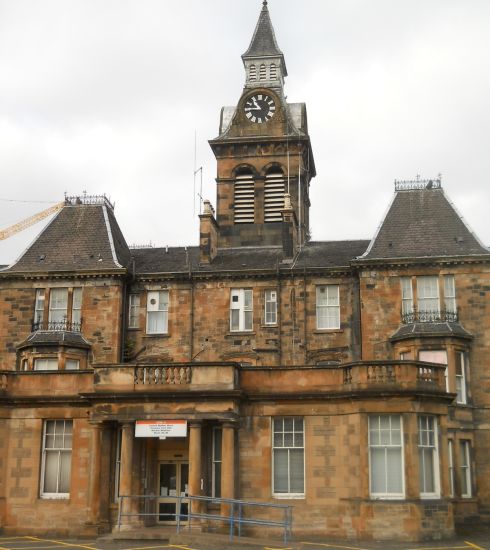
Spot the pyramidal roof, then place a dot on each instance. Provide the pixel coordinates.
(422, 223)
(263, 42)
(83, 236)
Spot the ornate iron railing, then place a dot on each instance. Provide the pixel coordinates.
(57, 326)
(426, 316)
(409, 185)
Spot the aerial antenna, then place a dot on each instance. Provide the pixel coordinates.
(196, 171)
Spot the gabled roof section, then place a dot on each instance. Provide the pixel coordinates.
(83, 236)
(423, 223)
(264, 43)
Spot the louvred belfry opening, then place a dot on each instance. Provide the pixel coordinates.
(274, 196)
(244, 198)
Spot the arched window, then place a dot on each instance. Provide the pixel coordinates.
(252, 73)
(263, 72)
(274, 195)
(244, 197)
(273, 72)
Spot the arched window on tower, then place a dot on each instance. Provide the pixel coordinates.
(252, 73)
(274, 189)
(273, 72)
(263, 72)
(244, 197)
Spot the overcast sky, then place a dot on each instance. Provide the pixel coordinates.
(107, 97)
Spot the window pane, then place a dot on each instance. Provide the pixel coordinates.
(281, 471)
(296, 465)
(394, 472)
(378, 483)
(72, 364)
(50, 472)
(65, 472)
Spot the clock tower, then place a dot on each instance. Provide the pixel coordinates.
(264, 157)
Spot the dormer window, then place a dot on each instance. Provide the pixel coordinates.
(252, 73)
(263, 72)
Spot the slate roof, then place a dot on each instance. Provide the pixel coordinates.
(414, 330)
(422, 223)
(264, 41)
(80, 237)
(66, 338)
(328, 254)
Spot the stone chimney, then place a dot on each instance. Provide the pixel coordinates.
(289, 229)
(208, 234)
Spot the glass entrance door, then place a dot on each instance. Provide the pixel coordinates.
(173, 482)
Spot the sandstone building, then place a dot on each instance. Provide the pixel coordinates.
(348, 379)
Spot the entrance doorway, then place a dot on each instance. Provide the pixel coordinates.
(173, 480)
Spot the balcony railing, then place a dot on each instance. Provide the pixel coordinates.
(400, 373)
(58, 326)
(162, 376)
(427, 316)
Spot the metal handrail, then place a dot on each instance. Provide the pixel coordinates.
(235, 517)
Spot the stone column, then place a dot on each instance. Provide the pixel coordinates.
(195, 463)
(95, 473)
(126, 470)
(227, 465)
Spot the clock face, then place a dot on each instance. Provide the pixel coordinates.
(259, 108)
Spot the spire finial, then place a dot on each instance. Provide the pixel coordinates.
(264, 4)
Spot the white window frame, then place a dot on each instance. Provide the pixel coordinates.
(46, 363)
(39, 306)
(465, 468)
(133, 311)
(393, 444)
(407, 295)
(328, 313)
(241, 301)
(157, 307)
(58, 304)
(439, 361)
(428, 301)
(296, 444)
(270, 307)
(460, 373)
(449, 294)
(216, 458)
(76, 306)
(428, 456)
(66, 447)
(450, 458)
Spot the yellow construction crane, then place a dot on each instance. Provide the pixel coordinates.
(24, 224)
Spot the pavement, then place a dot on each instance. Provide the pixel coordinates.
(477, 539)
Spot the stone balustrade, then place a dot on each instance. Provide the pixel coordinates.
(206, 377)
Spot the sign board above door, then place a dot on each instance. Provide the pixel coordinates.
(161, 428)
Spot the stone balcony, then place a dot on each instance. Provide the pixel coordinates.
(228, 378)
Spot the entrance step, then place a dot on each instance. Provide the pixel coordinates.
(211, 541)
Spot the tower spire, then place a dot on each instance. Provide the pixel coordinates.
(264, 61)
